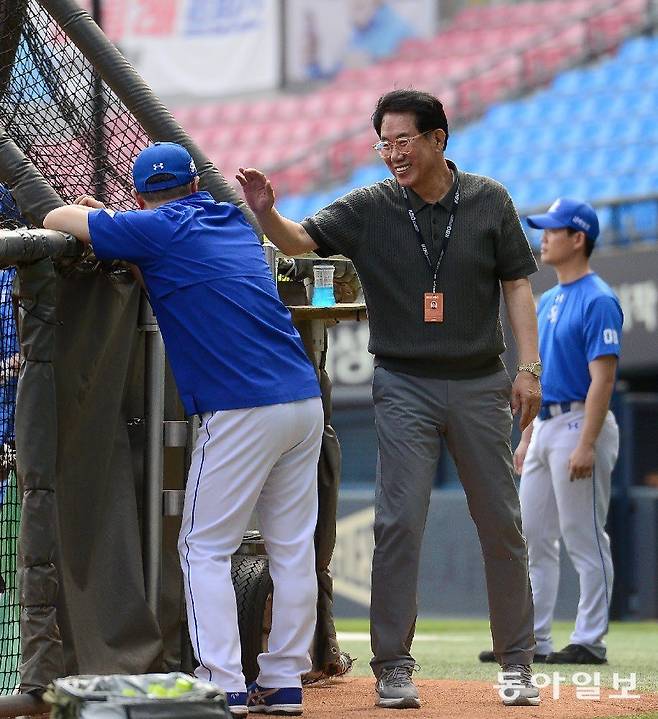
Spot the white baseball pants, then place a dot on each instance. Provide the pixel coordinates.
(262, 458)
(552, 506)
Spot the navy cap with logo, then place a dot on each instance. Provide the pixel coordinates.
(566, 212)
(161, 166)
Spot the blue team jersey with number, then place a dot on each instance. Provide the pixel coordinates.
(230, 340)
(578, 322)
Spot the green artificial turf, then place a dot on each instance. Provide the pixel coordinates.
(453, 654)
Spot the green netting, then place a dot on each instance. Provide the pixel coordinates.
(9, 610)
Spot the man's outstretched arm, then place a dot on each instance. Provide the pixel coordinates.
(290, 237)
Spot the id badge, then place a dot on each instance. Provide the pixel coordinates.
(434, 307)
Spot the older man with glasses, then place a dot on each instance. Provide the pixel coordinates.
(433, 247)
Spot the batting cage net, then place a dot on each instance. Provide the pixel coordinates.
(55, 107)
(82, 139)
(73, 114)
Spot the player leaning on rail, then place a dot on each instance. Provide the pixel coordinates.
(240, 364)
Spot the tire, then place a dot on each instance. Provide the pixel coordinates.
(253, 592)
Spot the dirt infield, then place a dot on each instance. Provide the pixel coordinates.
(446, 699)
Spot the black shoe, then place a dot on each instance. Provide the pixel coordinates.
(574, 654)
(489, 657)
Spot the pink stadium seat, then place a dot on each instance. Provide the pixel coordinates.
(487, 87)
(186, 116)
(315, 104)
(349, 102)
(234, 111)
(206, 115)
(295, 179)
(609, 28)
(259, 111)
(544, 60)
(287, 107)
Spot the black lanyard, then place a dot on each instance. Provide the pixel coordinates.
(446, 235)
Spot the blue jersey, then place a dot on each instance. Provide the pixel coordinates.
(230, 341)
(578, 322)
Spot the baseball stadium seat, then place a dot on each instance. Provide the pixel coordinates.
(468, 63)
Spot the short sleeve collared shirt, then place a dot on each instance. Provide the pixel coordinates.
(372, 227)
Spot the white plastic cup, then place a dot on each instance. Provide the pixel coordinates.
(323, 286)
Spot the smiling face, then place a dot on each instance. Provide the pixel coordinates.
(417, 166)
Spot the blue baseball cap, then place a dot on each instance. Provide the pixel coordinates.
(163, 158)
(565, 212)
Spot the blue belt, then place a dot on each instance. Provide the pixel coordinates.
(552, 409)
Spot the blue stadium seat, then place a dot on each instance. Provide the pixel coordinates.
(639, 220)
(602, 187)
(502, 116)
(568, 83)
(605, 215)
(368, 175)
(293, 206)
(638, 49)
(592, 134)
(645, 216)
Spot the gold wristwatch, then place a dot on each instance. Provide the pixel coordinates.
(534, 368)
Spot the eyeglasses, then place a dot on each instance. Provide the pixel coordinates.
(402, 144)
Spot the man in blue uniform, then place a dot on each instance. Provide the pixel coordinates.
(240, 365)
(566, 458)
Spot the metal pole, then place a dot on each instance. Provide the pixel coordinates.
(98, 129)
(154, 378)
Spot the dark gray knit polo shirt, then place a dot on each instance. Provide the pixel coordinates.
(371, 226)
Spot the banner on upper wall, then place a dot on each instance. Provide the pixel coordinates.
(198, 48)
(323, 38)
(632, 274)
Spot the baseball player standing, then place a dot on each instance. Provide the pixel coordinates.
(240, 365)
(566, 458)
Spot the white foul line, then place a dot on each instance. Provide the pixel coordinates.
(365, 637)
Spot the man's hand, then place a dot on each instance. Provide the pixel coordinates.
(581, 462)
(526, 397)
(519, 456)
(257, 189)
(89, 201)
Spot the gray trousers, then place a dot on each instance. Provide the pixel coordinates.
(474, 417)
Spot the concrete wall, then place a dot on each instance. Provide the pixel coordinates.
(452, 573)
